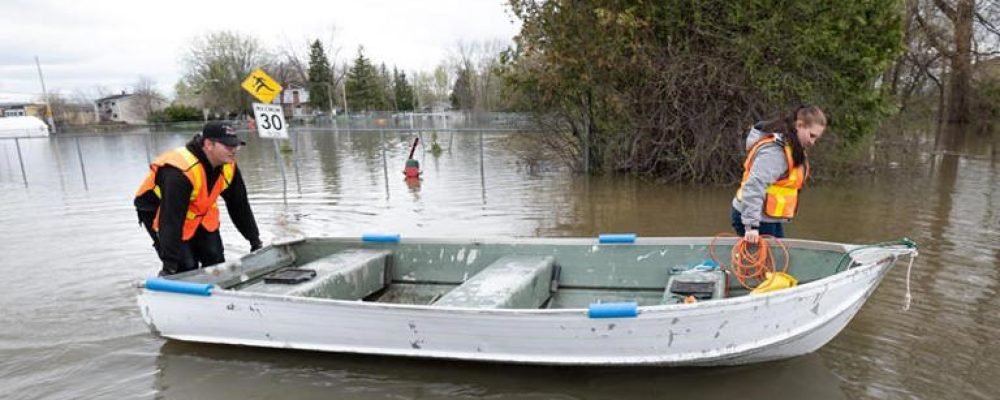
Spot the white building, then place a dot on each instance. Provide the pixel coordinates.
(127, 108)
(294, 101)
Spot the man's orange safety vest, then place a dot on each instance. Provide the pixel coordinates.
(202, 207)
(782, 197)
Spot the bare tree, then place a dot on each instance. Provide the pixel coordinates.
(147, 97)
(67, 110)
(218, 62)
(433, 87)
(488, 65)
(475, 67)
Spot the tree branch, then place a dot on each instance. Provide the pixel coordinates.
(947, 9)
(932, 36)
(987, 24)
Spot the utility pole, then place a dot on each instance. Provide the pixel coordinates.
(48, 107)
(343, 93)
(329, 96)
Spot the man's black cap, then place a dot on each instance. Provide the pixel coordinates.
(221, 132)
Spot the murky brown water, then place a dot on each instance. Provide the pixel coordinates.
(69, 255)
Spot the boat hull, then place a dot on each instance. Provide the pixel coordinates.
(732, 331)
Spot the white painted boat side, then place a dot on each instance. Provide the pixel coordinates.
(739, 330)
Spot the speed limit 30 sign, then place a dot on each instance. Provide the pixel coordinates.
(270, 121)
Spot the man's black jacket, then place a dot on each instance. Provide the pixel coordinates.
(175, 189)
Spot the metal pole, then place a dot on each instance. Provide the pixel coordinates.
(451, 135)
(83, 170)
(281, 166)
(48, 107)
(295, 160)
(343, 94)
(329, 94)
(385, 165)
(482, 167)
(17, 142)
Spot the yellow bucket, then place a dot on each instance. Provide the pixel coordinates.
(775, 281)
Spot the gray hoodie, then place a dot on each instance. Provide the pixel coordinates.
(768, 166)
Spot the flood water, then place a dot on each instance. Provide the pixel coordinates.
(71, 252)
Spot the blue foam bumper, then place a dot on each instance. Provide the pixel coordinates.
(616, 238)
(613, 310)
(380, 237)
(167, 285)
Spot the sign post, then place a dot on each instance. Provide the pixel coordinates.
(269, 117)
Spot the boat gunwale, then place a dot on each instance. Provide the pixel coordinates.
(706, 306)
(805, 244)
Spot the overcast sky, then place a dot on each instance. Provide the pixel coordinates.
(86, 45)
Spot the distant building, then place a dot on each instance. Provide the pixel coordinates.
(436, 107)
(22, 110)
(294, 101)
(127, 108)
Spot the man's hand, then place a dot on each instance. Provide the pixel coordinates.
(751, 236)
(254, 246)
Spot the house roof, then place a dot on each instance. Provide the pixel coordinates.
(17, 104)
(117, 96)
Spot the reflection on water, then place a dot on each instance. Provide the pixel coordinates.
(222, 372)
(70, 253)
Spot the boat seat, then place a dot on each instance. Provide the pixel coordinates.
(346, 275)
(510, 282)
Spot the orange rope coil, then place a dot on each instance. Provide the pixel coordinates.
(747, 262)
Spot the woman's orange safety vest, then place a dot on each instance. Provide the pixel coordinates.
(202, 207)
(782, 197)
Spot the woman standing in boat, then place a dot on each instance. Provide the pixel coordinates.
(775, 169)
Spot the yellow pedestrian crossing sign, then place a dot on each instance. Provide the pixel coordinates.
(261, 86)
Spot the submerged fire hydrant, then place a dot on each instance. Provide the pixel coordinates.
(412, 169)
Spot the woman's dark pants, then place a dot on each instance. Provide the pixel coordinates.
(775, 229)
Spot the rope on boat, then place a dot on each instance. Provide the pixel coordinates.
(749, 263)
(904, 246)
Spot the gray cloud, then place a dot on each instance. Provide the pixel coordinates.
(110, 43)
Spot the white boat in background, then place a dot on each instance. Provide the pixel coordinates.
(19, 127)
(560, 301)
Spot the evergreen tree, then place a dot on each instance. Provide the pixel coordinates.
(387, 96)
(362, 84)
(320, 78)
(403, 91)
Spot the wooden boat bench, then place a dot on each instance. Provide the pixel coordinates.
(513, 281)
(350, 274)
